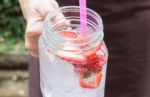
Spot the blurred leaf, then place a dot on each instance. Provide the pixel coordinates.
(7, 3)
(12, 26)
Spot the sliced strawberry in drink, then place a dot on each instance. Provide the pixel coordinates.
(91, 80)
(72, 57)
(69, 34)
(71, 54)
(94, 62)
(81, 70)
(95, 58)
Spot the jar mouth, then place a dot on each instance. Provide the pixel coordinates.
(67, 18)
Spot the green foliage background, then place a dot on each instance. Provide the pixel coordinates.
(12, 27)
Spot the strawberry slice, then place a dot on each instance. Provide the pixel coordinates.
(95, 58)
(72, 57)
(91, 80)
(69, 34)
(71, 54)
(94, 62)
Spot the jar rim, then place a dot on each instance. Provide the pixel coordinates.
(98, 33)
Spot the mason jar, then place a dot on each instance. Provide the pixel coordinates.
(72, 63)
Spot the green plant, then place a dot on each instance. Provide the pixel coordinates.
(12, 26)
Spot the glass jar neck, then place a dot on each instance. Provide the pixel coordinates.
(66, 21)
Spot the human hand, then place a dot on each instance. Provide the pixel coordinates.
(34, 12)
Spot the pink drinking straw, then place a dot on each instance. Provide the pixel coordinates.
(83, 16)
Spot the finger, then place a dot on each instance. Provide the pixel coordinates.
(34, 24)
(31, 44)
(33, 31)
(34, 53)
(46, 7)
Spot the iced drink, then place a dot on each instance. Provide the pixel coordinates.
(72, 64)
